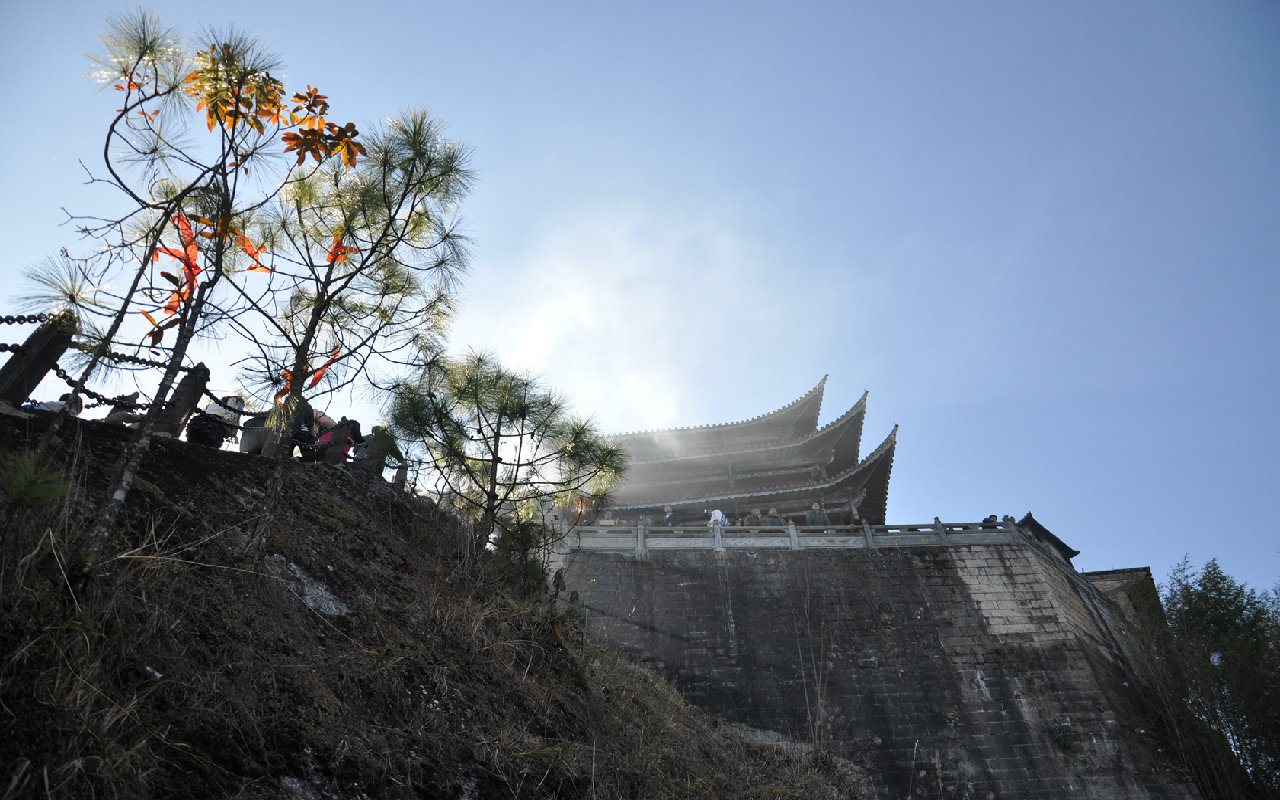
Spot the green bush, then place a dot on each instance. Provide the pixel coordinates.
(30, 483)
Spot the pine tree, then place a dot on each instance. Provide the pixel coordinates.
(504, 447)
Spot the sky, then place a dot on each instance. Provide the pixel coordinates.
(1043, 236)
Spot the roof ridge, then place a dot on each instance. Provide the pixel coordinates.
(862, 401)
(843, 418)
(820, 389)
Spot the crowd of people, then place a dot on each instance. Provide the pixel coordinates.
(316, 436)
(672, 518)
(319, 437)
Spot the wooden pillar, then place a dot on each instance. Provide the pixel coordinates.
(40, 353)
(183, 401)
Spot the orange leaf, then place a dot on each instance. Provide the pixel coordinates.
(189, 256)
(320, 372)
(338, 252)
(175, 302)
(254, 253)
(288, 383)
(150, 319)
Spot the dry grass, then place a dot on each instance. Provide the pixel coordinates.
(349, 652)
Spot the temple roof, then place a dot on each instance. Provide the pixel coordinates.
(835, 444)
(794, 420)
(866, 483)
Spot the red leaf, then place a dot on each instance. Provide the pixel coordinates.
(338, 252)
(320, 372)
(288, 383)
(254, 253)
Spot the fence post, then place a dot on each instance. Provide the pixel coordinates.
(40, 353)
(794, 534)
(940, 530)
(866, 534)
(642, 544)
(183, 401)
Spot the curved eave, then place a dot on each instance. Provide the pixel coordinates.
(874, 507)
(871, 475)
(844, 433)
(798, 418)
(1043, 534)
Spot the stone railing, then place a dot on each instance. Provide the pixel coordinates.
(643, 538)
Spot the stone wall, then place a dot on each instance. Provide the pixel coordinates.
(955, 671)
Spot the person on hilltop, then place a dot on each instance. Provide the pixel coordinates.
(73, 407)
(217, 423)
(321, 424)
(331, 437)
(379, 445)
(257, 435)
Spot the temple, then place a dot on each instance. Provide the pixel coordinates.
(780, 460)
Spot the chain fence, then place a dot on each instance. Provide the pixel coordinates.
(25, 319)
(240, 412)
(122, 358)
(119, 402)
(101, 400)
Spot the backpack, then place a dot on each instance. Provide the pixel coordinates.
(206, 430)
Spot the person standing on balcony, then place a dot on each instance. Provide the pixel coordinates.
(816, 516)
(671, 517)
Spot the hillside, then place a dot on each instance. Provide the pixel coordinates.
(326, 643)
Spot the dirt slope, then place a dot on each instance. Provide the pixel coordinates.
(325, 643)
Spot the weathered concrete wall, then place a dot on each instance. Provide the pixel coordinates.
(971, 671)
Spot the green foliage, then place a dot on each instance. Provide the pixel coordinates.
(366, 258)
(30, 483)
(1221, 661)
(59, 284)
(503, 446)
(200, 147)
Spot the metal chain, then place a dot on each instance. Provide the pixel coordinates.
(11, 348)
(121, 357)
(24, 319)
(102, 399)
(238, 411)
(146, 362)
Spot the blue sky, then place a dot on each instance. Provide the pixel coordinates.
(1044, 236)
